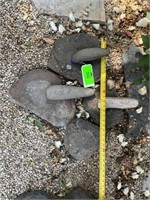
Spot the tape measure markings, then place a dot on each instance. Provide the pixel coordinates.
(102, 136)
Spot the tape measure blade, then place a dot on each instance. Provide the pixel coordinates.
(102, 149)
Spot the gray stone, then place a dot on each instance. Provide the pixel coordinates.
(35, 195)
(76, 193)
(89, 54)
(61, 92)
(113, 116)
(81, 139)
(30, 93)
(63, 8)
(65, 48)
(138, 122)
(79, 193)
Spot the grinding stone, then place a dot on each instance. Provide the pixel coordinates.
(30, 93)
(64, 49)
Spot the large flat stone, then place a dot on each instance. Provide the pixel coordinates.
(63, 8)
(30, 93)
(81, 139)
(64, 48)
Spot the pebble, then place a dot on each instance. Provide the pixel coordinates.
(110, 24)
(139, 170)
(61, 92)
(71, 17)
(96, 26)
(58, 144)
(53, 26)
(61, 28)
(131, 195)
(147, 193)
(79, 24)
(143, 90)
(126, 191)
(119, 185)
(144, 22)
(139, 110)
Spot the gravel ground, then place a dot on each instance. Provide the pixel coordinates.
(29, 157)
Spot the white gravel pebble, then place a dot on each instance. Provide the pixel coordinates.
(71, 17)
(58, 144)
(119, 185)
(131, 195)
(53, 26)
(139, 170)
(96, 26)
(142, 91)
(61, 28)
(126, 191)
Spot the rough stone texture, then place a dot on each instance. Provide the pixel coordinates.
(137, 122)
(60, 62)
(30, 92)
(63, 8)
(76, 193)
(35, 195)
(81, 139)
(113, 116)
(61, 92)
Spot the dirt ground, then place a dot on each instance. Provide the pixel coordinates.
(29, 157)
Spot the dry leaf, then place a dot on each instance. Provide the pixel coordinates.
(48, 40)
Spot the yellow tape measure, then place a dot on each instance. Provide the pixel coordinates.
(102, 140)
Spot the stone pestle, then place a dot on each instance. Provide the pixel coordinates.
(62, 92)
(89, 54)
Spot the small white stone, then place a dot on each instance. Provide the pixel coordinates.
(68, 67)
(110, 24)
(131, 195)
(139, 170)
(69, 185)
(71, 17)
(126, 191)
(63, 160)
(143, 90)
(96, 26)
(122, 16)
(131, 28)
(79, 24)
(78, 115)
(147, 193)
(58, 144)
(110, 84)
(139, 110)
(53, 26)
(116, 9)
(78, 30)
(119, 185)
(120, 137)
(135, 175)
(143, 22)
(61, 28)
(123, 144)
(87, 115)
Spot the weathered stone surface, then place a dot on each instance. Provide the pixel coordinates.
(81, 139)
(79, 193)
(113, 116)
(30, 92)
(64, 49)
(35, 195)
(63, 8)
(138, 122)
(76, 193)
(61, 92)
(89, 54)
(121, 102)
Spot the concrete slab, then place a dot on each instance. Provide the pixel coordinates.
(63, 8)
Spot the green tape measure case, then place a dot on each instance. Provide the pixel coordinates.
(87, 75)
